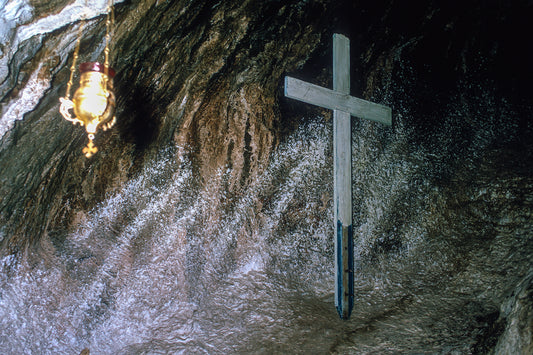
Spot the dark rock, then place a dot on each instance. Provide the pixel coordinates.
(205, 78)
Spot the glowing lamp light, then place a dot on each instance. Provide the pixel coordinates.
(93, 103)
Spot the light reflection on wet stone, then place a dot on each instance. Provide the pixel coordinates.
(204, 224)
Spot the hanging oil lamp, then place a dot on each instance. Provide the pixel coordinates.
(94, 101)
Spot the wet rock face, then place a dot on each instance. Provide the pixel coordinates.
(201, 75)
(205, 77)
(208, 76)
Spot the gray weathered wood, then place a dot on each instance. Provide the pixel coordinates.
(343, 105)
(342, 186)
(327, 98)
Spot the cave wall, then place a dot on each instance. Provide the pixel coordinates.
(208, 75)
(205, 77)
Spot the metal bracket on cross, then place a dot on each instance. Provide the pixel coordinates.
(343, 106)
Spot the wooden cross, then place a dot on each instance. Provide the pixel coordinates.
(343, 106)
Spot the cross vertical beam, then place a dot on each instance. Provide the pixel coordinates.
(342, 186)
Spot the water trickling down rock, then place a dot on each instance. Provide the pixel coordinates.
(203, 224)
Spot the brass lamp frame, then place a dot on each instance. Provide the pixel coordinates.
(94, 101)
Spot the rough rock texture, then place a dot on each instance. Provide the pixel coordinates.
(213, 68)
(206, 77)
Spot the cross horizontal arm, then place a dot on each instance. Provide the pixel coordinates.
(334, 100)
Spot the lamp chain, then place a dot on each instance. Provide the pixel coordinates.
(109, 23)
(75, 59)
